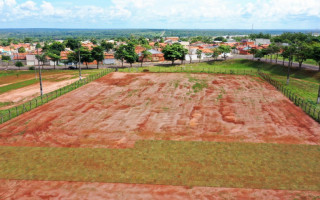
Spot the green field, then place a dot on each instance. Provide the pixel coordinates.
(234, 165)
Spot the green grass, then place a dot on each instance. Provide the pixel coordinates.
(18, 85)
(233, 165)
(3, 104)
(308, 61)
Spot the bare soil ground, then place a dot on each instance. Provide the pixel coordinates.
(119, 109)
(27, 93)
(31, 190)
(52, 82)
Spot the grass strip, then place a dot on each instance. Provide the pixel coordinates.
(235, 165)
(18, 85)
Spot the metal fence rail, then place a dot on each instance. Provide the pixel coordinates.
(309, 108)
(11, 113)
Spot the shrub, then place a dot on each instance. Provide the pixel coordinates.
(19, 64)
(32, 68)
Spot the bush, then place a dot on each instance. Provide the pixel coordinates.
(145, 70)
(19, 64)
(32, 68)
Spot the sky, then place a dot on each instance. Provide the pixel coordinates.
(161, 14)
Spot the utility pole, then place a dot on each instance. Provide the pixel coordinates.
(40, 78)
(318, 100)
(79, 63)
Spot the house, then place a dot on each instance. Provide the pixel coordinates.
(156, 56)
(173, 39)
(109, 59)
(185, 44)
(31, 60)
(19, 56)
(261, 41)
(247, 42)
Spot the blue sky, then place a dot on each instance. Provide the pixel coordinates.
(161, 14)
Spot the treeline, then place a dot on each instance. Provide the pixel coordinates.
(292, 46)
(84, 34)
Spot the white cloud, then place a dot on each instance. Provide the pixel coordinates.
(162, 12)
(29, 5)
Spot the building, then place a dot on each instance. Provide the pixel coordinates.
(156, 56)
(31, 60)
(261, 41)
(247, 42)
(109, 59)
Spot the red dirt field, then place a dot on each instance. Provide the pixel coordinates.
(34, 190)
(120, 108)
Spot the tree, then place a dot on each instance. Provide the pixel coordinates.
(73, 44)
(199, 54)
(86, 55)
(120, 53)
(174, 52)
(130, 54)
(41, 58)
(220, 38)
(27, 40)
(6, 59)
(73, 58)
(98, 54)
(253, 51)
(94, 41)
(21, 50)
(145, 55)
(224, 50)
(107, 46)
(38, 46)
(56, 48)
(302, 52)
(208, 55)
(259, 54)
(19, 64)
(54, 57)
(316, 53)
(276, 50)
(215, 53)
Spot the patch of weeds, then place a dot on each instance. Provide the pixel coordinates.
(176, 84)
(21, 133)
(132, 92)
(165, 108)
(27, 122)
(222, 92)
(148, 101)
(198, 85)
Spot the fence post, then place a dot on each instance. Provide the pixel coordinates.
(9, 114)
